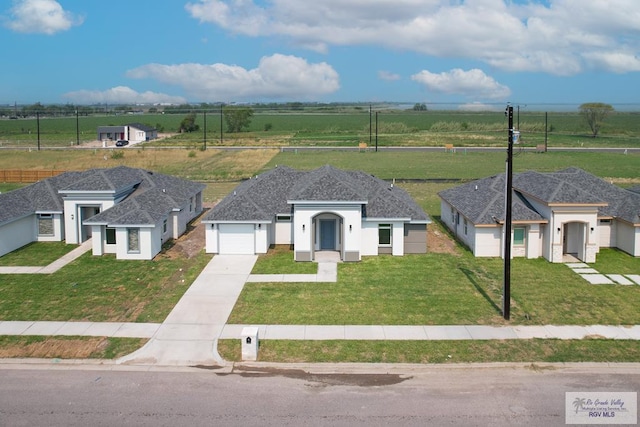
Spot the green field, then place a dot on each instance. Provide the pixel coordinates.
(394, 127)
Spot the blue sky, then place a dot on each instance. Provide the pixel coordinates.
(464, 53)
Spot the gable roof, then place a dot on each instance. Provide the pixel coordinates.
(142, 127)
(154, 194)
(482, 201)
(274, 192)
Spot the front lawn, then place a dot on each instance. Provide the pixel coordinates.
(36, 254)
(101, 289)
(279, 260)
(439, 289)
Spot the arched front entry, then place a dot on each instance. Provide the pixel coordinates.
(327, 233)
(574, 240)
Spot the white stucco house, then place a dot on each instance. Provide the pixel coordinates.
(553, 214)
(126, 211)
(326, 209)
(132, 132)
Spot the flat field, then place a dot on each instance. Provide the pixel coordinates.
(388, 127)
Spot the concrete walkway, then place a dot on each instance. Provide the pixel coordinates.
(54, 266)
(592, 276)
(190, 332)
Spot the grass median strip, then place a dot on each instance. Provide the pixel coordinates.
(534, 350)
(68, 347)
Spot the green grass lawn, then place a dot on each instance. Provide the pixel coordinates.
(36, 254)
(279, 260)
(100, 289)
(430, 165)
(440, 289)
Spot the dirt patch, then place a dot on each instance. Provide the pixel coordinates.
(56, 348)
(192, 242)
(440, 242)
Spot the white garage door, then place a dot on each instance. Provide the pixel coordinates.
(237, 239)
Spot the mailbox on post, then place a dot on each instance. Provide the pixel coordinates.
(250, 343)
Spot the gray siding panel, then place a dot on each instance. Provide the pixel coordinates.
(303, 256)
(351, 256)
(415, 238)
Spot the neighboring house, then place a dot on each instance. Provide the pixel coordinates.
(129, 212)
(132, 132)
(326, 209)
(553, 214)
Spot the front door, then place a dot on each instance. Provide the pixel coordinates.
(327, 234)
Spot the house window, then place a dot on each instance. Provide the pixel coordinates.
(605, 221)
(283, 218)
(111, 236)
(45, 225)
(457, 218)
(384, 235)
(191, 204)
(453, 216)
(164, 226)
(133, 240)
(518, 236)
(465, 226)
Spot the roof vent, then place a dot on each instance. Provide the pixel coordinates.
(234, 192)
(164, 190)
(476, 188)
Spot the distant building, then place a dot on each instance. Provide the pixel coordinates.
(132, 132)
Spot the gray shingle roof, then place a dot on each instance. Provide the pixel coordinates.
(261, 198)
(155, 195)
(482, 201)
(142, 127)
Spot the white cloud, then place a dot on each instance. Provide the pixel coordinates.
(122, 95)
(618, 62)
(472, 84)
(277, 76)
(389, 76)
(40, 16)
(554, 36)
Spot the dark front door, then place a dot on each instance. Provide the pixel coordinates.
(327, 234)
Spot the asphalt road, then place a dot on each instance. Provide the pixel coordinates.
(478, 396)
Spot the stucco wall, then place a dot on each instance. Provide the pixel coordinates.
(304, 215)
(628, 238)
(150, 244)
(211, 238)
(488, 241)
(16, 234)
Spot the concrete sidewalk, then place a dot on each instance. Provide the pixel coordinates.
(54, 266)
(434, 333)
(88, 329)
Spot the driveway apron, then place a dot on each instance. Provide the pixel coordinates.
(188, 334)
